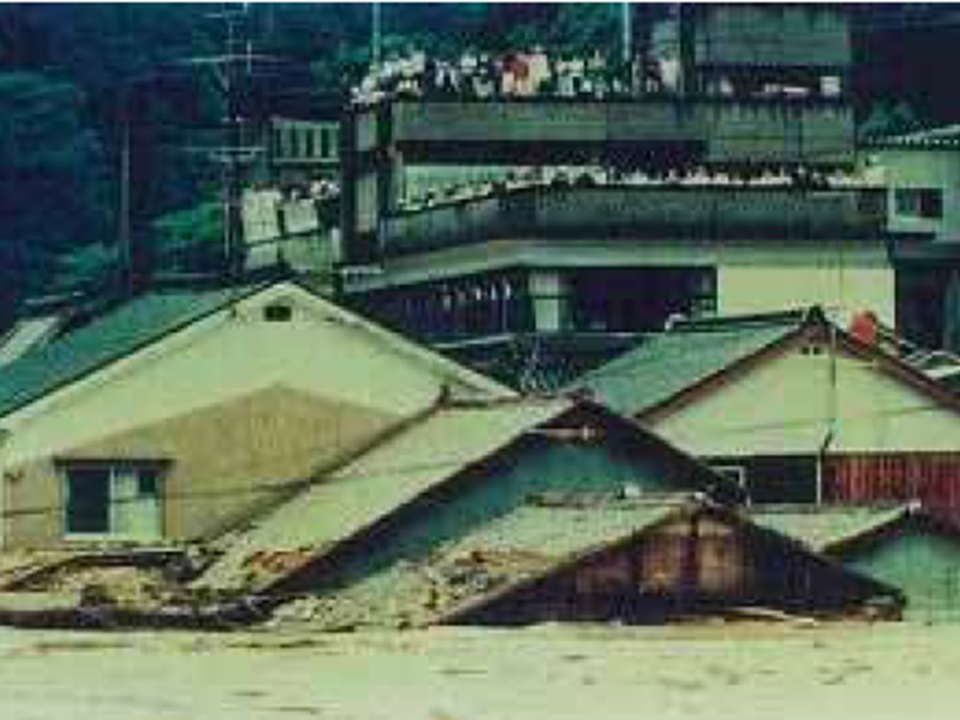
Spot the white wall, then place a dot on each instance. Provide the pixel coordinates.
(785, 406)
(924, 169)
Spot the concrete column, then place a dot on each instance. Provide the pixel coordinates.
(549, 294)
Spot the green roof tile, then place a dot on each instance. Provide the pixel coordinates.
(112, 335)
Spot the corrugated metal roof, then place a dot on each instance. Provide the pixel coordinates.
(673, 361)
(820, 527)
(376, 484)
(111, 336)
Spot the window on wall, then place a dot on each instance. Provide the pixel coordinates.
(772, 479)
(919, 202)
(119, 499)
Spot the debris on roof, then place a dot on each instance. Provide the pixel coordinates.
(374, 485)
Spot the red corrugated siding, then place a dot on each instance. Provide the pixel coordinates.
(932, 478)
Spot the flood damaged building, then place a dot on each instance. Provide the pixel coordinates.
(176, 413)
(794, 408)
(901, 545)
(481, 502)
(649, 563)
(512, 231)
(454, 469)
(603, 557)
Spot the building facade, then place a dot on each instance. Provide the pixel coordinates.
(177, 413)
(732, 189)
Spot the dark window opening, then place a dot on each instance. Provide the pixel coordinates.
(774, 480)
(119, 498)
(326, 143)
(278, 313)
(637, 300)
(919, 202)
(309, 143)
(88, 501)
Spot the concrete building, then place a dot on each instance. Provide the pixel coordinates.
(922, 172)
(580, 222)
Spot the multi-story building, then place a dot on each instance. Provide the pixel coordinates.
(586, 220)
(301, 151)
(922, 171)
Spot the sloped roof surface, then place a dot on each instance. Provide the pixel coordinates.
(110, 336)
(376, 484)
(528, 541)
(820, 527)
(673, 361)
(557, 531)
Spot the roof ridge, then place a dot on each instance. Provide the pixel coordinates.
(795, 316)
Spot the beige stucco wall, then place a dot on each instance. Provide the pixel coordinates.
(226, 460)
(845, 278)
(785, 406)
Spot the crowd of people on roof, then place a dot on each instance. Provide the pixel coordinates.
(528, 73)
(536, 72)
(593, 176)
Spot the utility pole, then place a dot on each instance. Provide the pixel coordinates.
(627, 26)
(375, 40)
(124, 234)
(232, 71)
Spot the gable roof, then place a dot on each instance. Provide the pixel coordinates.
(116, 333)
(822, 526)
(527, 541)
(124, 329)
(689, 353)
(421, 457)
(372, 486)
(531, 534)
(832, 529)
(672, 366)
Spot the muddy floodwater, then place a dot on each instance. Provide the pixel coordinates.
(738, 672)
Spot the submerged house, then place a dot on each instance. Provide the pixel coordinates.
(175, 414)
(901, 545)
(642, 562)
(794, 408)
(455, 469)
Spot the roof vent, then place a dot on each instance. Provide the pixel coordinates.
(278, 312)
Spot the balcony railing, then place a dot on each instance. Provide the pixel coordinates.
(635, 213)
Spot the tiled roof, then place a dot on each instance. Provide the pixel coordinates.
(666, 364)
(110, 336)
